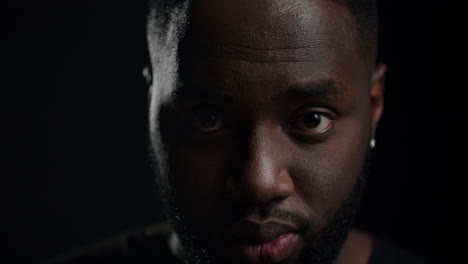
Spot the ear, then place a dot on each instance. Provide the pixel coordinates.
(376, 94)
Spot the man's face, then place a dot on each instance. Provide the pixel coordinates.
(268, 133)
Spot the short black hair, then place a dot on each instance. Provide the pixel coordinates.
(366, 21)
(161, 14)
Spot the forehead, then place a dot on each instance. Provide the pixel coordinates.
(253, 42)
(273, 24)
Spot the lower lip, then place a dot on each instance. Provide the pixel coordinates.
(274, 251)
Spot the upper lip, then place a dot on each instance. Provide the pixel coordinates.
(255, 232)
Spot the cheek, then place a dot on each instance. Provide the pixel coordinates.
(198, 179)
(325, 174)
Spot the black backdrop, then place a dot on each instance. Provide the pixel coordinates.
(76, 168)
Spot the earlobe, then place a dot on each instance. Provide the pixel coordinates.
(376, 94)
(147, 75)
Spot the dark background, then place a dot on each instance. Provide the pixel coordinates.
(76, 168)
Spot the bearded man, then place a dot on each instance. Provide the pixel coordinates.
(262, 121)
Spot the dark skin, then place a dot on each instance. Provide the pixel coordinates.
(275, 115)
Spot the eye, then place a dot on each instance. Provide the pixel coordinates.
(312, 123)
(207, 120)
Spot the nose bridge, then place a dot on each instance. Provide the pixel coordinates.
(261, 162)
(265, 176)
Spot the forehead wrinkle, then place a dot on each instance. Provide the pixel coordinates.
(277, 44)
(271, 54)
(302, 24)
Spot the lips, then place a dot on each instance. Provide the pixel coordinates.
(264, 242)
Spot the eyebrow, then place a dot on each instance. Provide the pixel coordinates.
(195, 92)
(326, 88)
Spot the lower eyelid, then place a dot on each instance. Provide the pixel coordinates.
(309, 133)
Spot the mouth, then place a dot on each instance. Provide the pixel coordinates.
(273, 251)
(268, 242)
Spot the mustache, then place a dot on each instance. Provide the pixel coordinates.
(260, 227)
(262, 215)
(287, 216)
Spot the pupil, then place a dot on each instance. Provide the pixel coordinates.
(208, 120)
(312, 120)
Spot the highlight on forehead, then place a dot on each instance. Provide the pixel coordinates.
(364, 15)
(169, 19)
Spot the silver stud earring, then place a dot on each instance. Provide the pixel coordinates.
(372, 143)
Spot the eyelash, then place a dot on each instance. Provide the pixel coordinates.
(298, 127)
(295, 129)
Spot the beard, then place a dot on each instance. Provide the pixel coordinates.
(320, 247)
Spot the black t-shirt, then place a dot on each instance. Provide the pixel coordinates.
(151, 246)
(385, 252)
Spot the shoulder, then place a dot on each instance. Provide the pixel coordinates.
(385, 252)
(148, 245)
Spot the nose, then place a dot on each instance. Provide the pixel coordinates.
(263, 176)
